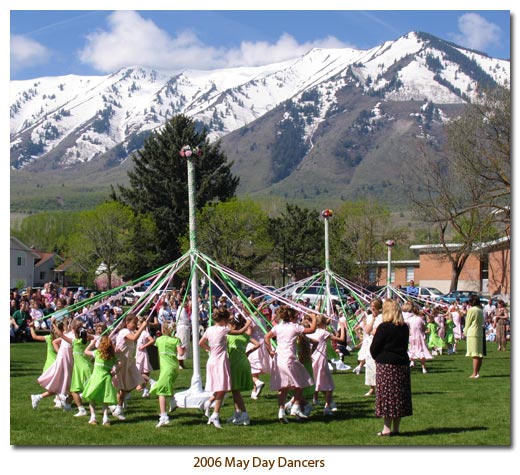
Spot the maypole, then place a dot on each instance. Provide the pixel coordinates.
(326, 214)
(194, 396)
(389, 244)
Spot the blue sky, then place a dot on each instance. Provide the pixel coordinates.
(93, 42)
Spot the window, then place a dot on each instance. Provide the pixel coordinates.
(410, 274)
(372, 274)
(20, 261)
(42, 275)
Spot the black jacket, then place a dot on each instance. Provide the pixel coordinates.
(390, 344)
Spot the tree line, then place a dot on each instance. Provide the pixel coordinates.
(463, 197)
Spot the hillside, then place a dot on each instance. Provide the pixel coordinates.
(331, 125)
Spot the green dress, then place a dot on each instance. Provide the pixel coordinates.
(306, 361)
(99, 388)
(434, 340)
(51, 353)
(168, 364)
(474, 332)
(241, 378)
(82, 368)
(450, 336)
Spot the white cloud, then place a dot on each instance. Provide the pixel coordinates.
(131, 40)
(26, 52)
(476, 32)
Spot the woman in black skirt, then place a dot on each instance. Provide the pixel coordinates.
(390, 351)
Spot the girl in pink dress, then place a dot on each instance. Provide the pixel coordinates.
(456, 315)
(128, 376)
(259, 360)
(287, 372)
(218, 371)
(142, 359)
(320, 366)
(56, 379)
(418, 349)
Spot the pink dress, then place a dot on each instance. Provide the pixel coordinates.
(127, 376)
(417, 349)
(441, 323)
(141, 356)
(259, 359)
(286, 370)
(218, 372)
(320, 365)
(457, 320)
(56, 379)
(366, 339)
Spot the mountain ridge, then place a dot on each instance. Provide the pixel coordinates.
(317, 113)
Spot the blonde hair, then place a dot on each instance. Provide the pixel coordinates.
(392, 312)
(168, 328)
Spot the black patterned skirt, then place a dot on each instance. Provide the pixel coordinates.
(393, 390)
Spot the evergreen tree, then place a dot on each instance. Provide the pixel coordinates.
(298, 237)
(158, 182)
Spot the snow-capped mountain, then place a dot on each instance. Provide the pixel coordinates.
(72, 119)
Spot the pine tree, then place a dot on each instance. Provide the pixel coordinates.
(158, 181)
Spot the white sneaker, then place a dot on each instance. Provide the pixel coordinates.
(35, 400)
(119, 414)
(146, 393)
(259, 386)
(112, 408)
(242, 420)
(81, 412)
(412, 363)
(281, 416)
(288, 407)
(215, 420)
(207, 406)
(173, 404)
(163, 421)
(254, 394)
(333, 406)
(92, 421)
(57, 402)
(151, 382)
(424, 370)
(357, 369)
(327, 411)
(106, 422)
(296, 411)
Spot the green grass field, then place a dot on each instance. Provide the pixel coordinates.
(449, 410)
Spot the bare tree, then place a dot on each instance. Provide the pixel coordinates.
(461, 193)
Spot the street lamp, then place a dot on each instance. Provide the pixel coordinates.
(389, 244)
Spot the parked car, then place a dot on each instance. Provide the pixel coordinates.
(430, 293)
(460, 295)
(132, 295)
(315, 293)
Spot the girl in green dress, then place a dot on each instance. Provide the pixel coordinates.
(169, 347)
(48, 339)
(99, 388)
(435, 342)
(82, 368)
(450, 334)
(241, 377)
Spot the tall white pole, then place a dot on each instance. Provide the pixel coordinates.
(389, 245)
(196, 381)
(326, 214)
(195, 396)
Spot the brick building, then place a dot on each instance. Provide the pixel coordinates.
(487, 270)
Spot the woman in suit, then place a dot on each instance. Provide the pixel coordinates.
(389, 349)
(474, 333)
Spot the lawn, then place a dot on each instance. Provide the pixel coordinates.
(449, 410)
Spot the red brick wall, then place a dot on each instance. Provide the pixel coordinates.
(499, 272)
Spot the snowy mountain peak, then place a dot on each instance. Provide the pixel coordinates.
(72, 119)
